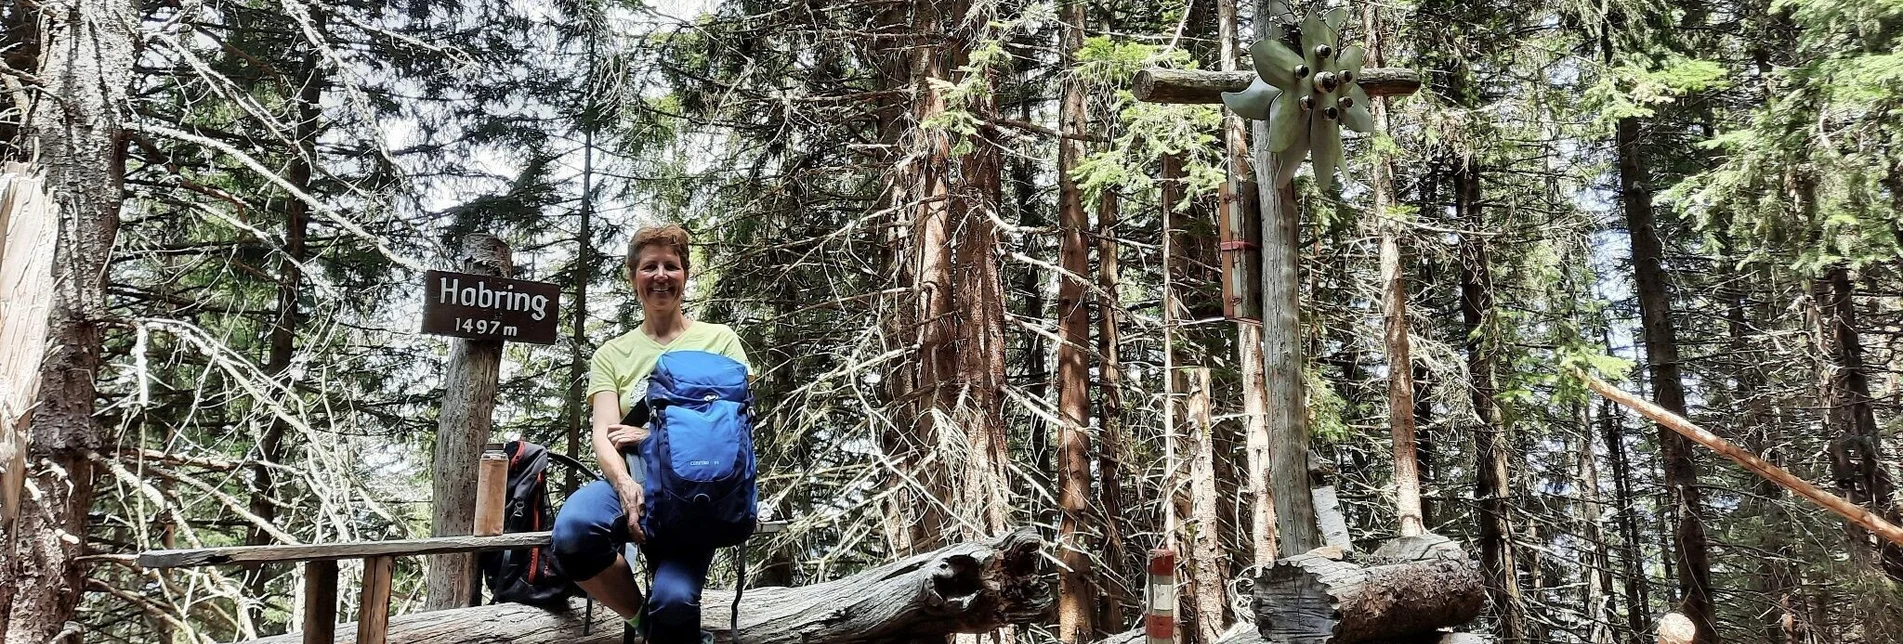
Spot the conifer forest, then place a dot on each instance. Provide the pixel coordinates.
(990, 283)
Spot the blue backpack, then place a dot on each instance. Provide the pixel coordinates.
(699, 458)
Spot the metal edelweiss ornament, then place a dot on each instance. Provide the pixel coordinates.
(1306, 97)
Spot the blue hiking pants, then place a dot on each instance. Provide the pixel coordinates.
(592, 528)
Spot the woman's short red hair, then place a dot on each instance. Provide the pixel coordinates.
(671, 236)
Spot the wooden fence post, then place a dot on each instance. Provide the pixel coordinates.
(469, 398)
(320, 601)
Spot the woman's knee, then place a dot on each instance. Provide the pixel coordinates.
(583, 540)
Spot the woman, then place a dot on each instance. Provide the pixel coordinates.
(602, 517)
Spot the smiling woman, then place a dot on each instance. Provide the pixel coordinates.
(604, 516)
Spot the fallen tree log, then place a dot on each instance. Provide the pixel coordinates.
(1857, 514)
(1246, 633)
(1406, 591)
(965, 588)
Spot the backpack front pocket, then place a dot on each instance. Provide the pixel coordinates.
(705, 444)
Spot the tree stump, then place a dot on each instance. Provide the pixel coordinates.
(1677, 629)
(1408, 589)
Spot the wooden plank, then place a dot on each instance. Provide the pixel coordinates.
(362, 549)
(1204, 87)
(373, 616)
(320, 601)
(335, 551)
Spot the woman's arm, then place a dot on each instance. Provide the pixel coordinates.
(607, 435)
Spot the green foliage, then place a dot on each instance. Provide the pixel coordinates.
(1635, 89)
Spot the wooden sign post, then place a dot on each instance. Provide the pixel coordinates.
(481, 307)
(1280, 256)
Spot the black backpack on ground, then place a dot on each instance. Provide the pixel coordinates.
(529, 575)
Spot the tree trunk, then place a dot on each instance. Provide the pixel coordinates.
(1596, 608)
(1411, 585)
(1207, 563)
(966, 588)
(1668, 390)
(1109, 411)
(1407, 478)
(932, 384)
(979, 304)
(576, 420)
(1638, 604)
(1856, 453)
(1076, 602)
(86, 52)
(1282, 360)
(283, 335)
(1260, 497)
(1493, 481)
(469, 400)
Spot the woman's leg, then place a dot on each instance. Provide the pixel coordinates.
(587, 540)
(674, 607)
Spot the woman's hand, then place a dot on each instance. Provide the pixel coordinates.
(626, 436)
(634, 503)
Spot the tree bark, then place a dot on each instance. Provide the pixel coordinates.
(1282, 360)
(1668, 389)
(1856, 453)
(86, 51)
(1207, 563)
(1596, 604)
(283, 336)
(932, 384)
(1493, 480)
(1407, 478)
(1242, 199)
(469, 399)
(1076, 602)
(1410, 586)
(966, 588)
(979, 303)
(1637, 602)
(1109, 409)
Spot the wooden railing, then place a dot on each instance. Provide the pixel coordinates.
(320, 571)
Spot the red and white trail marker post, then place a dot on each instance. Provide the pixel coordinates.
(1159, 598)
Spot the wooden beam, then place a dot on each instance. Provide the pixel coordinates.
(361, 549)
(335, 551)
(320, 601)
(1855, 513)
(373, 614)
(1197, 86)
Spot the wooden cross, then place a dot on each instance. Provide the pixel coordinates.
(1272, 263)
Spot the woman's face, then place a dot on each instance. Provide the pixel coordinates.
(659, 278)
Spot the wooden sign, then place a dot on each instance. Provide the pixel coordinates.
(1239, 226)
(484, 307)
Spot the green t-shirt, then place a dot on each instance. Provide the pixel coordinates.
(622, 365)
